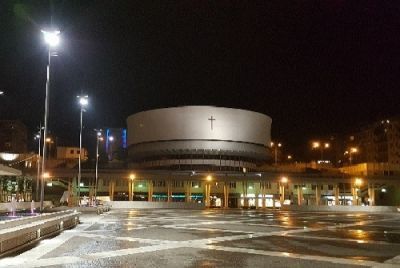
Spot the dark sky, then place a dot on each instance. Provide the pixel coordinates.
(315, 67)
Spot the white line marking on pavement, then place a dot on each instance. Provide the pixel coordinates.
(290, 255)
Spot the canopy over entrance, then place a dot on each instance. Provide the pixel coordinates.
(7, 171)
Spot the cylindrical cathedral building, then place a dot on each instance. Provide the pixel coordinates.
(198, 138)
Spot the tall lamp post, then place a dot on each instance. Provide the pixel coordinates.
(110, 149)
(98, 139)
(52, 39)
(83, 102)
(38, 137)
(276, 146)
(132, 188)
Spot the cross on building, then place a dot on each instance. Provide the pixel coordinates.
(211, 121)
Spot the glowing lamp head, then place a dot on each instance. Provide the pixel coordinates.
(83, 100)
(111, 138)
(358, 181)
(284, 179)
(52, 38)
(46, 175)
(209, 178)
(315, 144)
(132, 176)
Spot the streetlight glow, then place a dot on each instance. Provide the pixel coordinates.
(284, 179)
(315, 144)
(52, 38)
(209, 178)
(358, 181)
(132, 176)
(83, 100)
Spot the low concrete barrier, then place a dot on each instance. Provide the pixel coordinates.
(372, 209)
(19, 233)
(144, 204)
(98, 209)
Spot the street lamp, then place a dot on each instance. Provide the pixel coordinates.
(98, 139)
(276, 146)
(351, 151)
(208, 190)
(132, 178)
(284, 180)
(322, 147)
(52, 39)
(83, 102)
(110, 150)
(358, 182)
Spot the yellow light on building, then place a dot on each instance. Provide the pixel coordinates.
(209, 178)
(284, 179)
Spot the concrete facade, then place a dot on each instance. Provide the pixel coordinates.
(198, 137)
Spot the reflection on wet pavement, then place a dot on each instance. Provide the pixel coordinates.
(221, 238)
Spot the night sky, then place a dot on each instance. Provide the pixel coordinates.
(316, 67)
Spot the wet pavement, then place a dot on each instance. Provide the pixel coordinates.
(221, 238)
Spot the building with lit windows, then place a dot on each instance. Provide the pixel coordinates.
(210, 155)
(213, 157)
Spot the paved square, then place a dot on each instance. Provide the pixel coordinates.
(221, 238)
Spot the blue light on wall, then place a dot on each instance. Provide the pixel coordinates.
(124, 138)
(107, 138)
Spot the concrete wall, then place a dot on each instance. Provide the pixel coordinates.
(145, 204)
(372, 209)
(188, 130)
(192, 123)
